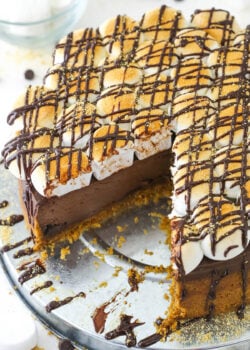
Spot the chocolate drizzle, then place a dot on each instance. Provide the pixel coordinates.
(10, 246)
(45, 285)
(11, 220)
(150, 340)
(125, 328)
(55, 304)
(31, 270)
(215, 280)
(23, 252)
(3, 204)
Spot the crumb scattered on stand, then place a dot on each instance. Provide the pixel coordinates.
(148, 252)
(121, 241)
(121, 228)
(117, 269)
(110, 251)
(136, 219)
(64, 252)
(103, 284)
(134, 278)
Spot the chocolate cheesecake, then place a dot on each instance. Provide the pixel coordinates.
(123, 105)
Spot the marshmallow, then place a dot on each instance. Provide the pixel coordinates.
(227, 90)
(186, 248)
(220, 228)
(228, 165)
(191, 184)
(192, 147)
(82, 47)
(156, 57)
(151, 131)
(217, 23)
(120, 36)
(115, 102)
(60, 172)
(76, 124)
(194, 42)
(191, 111)
(36, 108)
(226, 62)
(155, 91)
(25, 149)
(112, 150)
(73, 85)
(122, 75)
(161, 23)
(225, 127)
(190, 75)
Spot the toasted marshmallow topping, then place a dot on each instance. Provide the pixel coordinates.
(55, 174)
(151, 131)
(81, 48)
(73, 85)
(36, 108)
(194, 42)
(115, 102)
(156, 57)
(226, 61)
(227, 125)
(191, 74)
(161, 23)
(115, 95)
(112, 150)
(154, 91)
(191, 111)
(76, 124)
(120, 36)
(122, 75)
(217, 23)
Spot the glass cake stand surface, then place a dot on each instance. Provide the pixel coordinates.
(82, 291)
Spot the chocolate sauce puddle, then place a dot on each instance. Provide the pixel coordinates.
(99, 316)
(46, 284)
(55, 304)
(125, 328)
(32, 270)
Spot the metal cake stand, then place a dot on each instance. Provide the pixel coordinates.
(83, 292)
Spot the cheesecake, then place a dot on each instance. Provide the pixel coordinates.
(133, 103)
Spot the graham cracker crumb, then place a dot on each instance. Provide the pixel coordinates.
(64, 252)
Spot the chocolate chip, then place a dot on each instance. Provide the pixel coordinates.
(65, 344)
(29, 74)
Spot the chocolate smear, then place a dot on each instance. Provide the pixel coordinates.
(46, 284)
(126, 328)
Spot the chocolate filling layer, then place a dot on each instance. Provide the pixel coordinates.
(58, 213)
